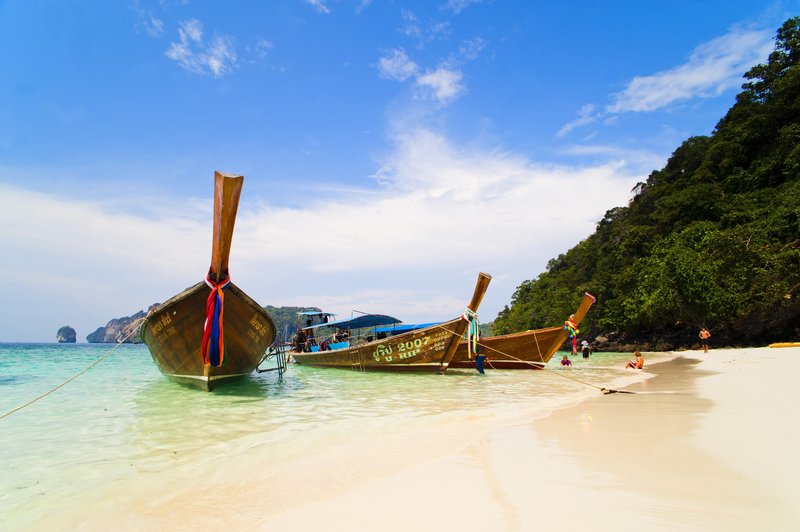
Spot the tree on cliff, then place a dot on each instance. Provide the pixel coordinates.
(711, 239)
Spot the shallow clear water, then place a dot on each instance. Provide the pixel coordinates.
(122, 417)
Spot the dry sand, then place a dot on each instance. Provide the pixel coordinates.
(710, 443)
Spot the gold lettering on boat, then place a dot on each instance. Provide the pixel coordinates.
(161, 323)
(258, 326)
(165, 333)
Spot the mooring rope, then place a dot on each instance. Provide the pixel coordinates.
(87, 368)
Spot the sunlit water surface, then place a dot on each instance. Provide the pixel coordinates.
(123, 417)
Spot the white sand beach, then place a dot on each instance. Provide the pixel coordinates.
(708, 443)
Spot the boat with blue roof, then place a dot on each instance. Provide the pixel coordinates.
(380, 342)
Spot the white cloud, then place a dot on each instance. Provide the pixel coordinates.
(218, 57)
(397, 66)
(152, 24)
(444, 84)
(457, 6)
(637, 161)
(585, 116)
(319, 6)
(471, 48)
(713, 68)
(410, 246)
(423, 33)
(442, 213)
(86, 264)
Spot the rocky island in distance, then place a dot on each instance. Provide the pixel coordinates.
(66, 335)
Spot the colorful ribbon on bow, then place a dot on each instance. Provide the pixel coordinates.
(213, 337)
(570, 326)
(473, 332)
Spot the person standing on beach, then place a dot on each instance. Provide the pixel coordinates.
(704, 336)
(585, 349)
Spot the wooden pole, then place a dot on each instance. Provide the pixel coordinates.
(477, 296)
(227, 189)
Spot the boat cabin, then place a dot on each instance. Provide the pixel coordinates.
(339, 334)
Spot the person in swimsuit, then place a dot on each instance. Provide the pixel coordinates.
(565, 361)
(704, 336)
(636, 364)
(585, 349)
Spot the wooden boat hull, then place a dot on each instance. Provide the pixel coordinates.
(525, 350)
(420, 350)
(174, 331)
(529, 349)
(428, 349)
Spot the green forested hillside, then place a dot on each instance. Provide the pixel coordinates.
(711, 239)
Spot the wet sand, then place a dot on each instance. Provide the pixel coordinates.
(709, 443)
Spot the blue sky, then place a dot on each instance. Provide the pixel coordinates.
(391, 149)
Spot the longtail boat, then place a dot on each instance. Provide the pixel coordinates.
(211, 331)
(525, 350)
(425, 349)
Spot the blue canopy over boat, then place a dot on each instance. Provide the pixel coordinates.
(359, 322)
(396, 329)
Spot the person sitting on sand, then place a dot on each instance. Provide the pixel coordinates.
(704, 336)
(636, 364)
(565, 361)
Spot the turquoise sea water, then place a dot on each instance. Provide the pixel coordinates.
(123, 418)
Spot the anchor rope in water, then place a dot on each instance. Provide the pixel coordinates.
(213, 344)
(133, 328)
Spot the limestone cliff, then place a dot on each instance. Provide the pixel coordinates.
(116, 329)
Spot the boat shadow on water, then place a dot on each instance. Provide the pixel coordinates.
(254, 386)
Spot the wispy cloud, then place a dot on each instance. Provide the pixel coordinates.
(713, 68)
(260, 49)
(457, 6)
(152, 24)
(444, 84)
(470, 49)
(396, 65)
(363, 5)
(637, 161)
(319, 6)
(192, 53)
(585, 116)
(423, 33)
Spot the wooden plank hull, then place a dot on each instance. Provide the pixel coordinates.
(420, 350)
(525, 350)
(174, 331)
